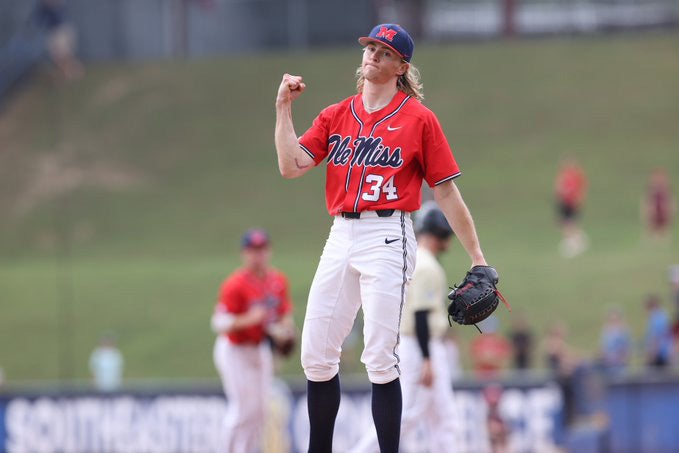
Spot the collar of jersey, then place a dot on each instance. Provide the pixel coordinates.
(379, 114)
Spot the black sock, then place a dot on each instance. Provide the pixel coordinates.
(386, 407)
(323, 400)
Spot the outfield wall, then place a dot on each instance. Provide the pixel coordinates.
(643, 414)
(189, 420)
(639, 416)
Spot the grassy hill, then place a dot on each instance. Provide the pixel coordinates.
(124, 194)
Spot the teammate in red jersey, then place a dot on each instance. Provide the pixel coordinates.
(570, 188)
(251, 301)
(378, 146)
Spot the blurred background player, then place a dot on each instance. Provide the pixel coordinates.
(61, 37)
(252, 300)
(658, 206)
(425, 372)
(570, 189)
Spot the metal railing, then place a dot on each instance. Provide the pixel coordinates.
(452, 18)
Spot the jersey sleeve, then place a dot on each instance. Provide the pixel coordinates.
(314, 142)
(438, 160)
(231, 299)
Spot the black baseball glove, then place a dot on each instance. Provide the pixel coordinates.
(284, 347)
(283, 338)
(476, 297)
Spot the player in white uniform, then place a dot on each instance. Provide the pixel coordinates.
(377, 147)
(425, 373)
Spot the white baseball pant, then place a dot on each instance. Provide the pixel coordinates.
(366, 263)
(246, 372)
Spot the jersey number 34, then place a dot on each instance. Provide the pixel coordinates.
(376, 188)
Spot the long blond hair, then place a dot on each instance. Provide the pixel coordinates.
(409, 82)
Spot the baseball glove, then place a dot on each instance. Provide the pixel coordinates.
(283, 338)
(476, 297)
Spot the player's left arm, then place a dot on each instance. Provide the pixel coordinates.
(449, 199)
(423, 335)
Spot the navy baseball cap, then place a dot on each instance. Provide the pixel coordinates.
(254, 238)
(393, 36)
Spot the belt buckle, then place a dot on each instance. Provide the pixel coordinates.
(385, 212)
(379, 212)
(351, 215)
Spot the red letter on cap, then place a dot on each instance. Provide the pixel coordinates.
(386, 33)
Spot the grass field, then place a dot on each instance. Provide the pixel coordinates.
(124, 195)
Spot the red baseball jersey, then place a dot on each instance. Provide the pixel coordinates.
(243, 289)
(378, 160)
(571, 185)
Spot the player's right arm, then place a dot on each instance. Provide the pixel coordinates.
(224, 322)
(293, 162)
(233, 312)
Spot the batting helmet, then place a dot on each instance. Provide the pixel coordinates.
(430, 220)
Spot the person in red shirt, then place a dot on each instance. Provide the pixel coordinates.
(377, 147)
(490, 351)
(498, 428)
(253, 301)
(570, 190)
(658, 206)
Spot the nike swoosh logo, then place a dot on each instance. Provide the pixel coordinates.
(389, 128)
(389, 241)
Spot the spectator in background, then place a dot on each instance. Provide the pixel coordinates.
(582, 390)
(658, 342)
(562, 361)
(61, 37)
(498, 428)
(570, 189)
(561, 357)
(521, 338)
(106, 364)
(658, 206)
(490, 351)
(616, 343)
(674, 287)
(674, 295)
